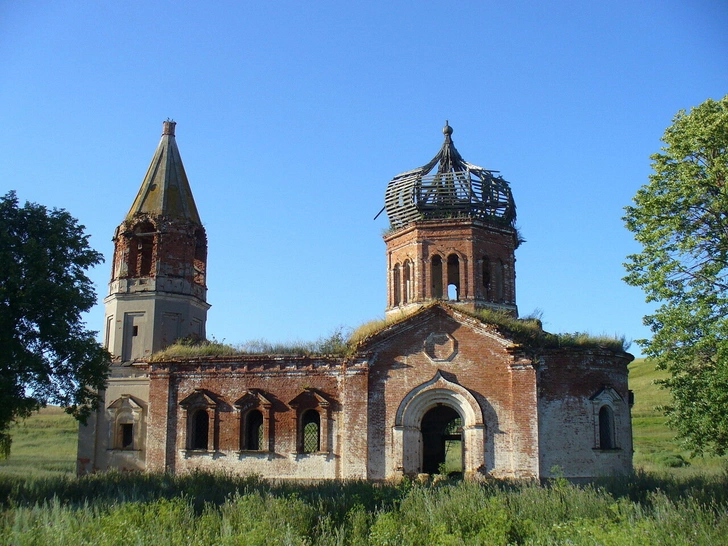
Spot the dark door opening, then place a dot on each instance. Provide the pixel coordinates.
(442, 441)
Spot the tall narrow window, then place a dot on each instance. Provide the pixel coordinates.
(499, 289)
(436, 275)
(127, 435)
(311, 431)
(107, 333)
(606, 428)
(254, 431)
(145, 247)
(453, 277)
(486, 278)
(200, 261)
(407, 281)
(200, 430)
(396, 285)
(141, 250)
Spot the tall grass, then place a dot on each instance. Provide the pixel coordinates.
(218, 509)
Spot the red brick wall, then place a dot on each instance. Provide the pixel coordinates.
(472, 242)
(287, 384)
(178, 249)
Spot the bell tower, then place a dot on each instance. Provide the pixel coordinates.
(157, 292)
(452, 235)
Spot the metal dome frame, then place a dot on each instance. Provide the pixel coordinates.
(457, 189)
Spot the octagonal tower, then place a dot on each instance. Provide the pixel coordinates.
(452, 235)
(157, 292)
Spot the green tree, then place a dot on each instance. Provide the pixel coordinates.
(681, 220)
(46, 354)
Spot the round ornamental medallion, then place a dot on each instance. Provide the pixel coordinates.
(441, 347)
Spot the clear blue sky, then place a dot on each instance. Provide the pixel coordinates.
(293, 116)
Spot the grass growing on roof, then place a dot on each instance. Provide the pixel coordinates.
(529, 331)
(334, 344)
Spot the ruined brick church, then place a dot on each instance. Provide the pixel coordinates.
(438, 387)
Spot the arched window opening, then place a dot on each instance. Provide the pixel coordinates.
(396, 285)
(606, 428)
(254, 433)
(499, 289)
(442, 441)
(407, 281)
(200, 261)
(436, 275)
(486, 278)
(141, 250)
(453, 277)
(146, 246)
(200, 430)
(311, 432)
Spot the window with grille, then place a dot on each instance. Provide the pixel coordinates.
(311, 432)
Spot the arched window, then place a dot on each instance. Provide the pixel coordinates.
(311, 432)
(141, 250)
(453, 277)
(254, 431)
(199, 430)
(200, 413)
(200, 261)
(606, 428)
(255, 421)
(436, 276)
(396, 285)
(407, 281)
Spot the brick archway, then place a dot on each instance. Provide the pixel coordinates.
(407, 448)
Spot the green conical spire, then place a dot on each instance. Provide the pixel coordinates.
(165, 190)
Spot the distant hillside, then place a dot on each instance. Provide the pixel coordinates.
(43, 445)
(654, 443)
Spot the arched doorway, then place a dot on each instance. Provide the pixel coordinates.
(442, 441)
(431, 415)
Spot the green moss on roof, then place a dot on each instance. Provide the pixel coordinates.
(527, 332)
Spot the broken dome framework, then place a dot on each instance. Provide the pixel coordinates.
(456, 189)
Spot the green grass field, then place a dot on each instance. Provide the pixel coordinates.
(45, 444)
(655, 446)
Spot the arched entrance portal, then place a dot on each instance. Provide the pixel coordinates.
(442, 441)
(431, 415)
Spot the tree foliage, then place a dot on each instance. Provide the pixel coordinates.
(681, 220)
(46, 355)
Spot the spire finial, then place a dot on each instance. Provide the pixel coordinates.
(168, 127)
(447, 130)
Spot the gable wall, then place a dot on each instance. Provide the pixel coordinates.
(483, 366)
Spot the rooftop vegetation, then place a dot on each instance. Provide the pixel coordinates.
(526, 331)
(529, 331)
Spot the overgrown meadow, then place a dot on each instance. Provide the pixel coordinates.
(672, 499)
(214, 509)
